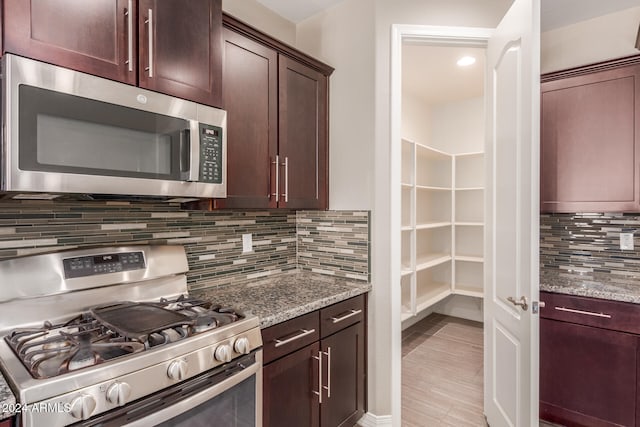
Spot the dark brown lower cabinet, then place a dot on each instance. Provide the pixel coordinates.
(321, 383)
(287, 383)
(344, 362)
(6, 423)
(588, 373)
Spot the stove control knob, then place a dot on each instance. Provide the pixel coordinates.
(177, 370)
(82, 407)
(242, 345)
(223, 353)
(118, 393)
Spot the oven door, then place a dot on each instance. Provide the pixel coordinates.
(228, 396)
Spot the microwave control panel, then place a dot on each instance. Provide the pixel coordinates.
(210, 154)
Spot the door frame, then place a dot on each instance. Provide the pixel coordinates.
(432, 35)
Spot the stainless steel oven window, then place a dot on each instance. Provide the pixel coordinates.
(70, 134)
(235, 407)
(227, 396)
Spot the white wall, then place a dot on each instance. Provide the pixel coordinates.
(461, 306)
(606, 37)
(342, 36)
(340, 40)
(258, 16)
(416, 119)
(458, 127)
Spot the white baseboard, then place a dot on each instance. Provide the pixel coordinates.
(370, 420)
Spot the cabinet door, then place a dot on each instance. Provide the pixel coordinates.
(95, 37)
(250, 96)
(302, 144)
(288, 385)
(181, 48)
(590, 142)
(344, 359)
(6, 423)
(588, 375)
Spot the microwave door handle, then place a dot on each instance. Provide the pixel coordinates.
(185, 154)
(193, 135)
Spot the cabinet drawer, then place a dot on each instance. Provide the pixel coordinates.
(340, 315)
(289, 336)
(614, 315)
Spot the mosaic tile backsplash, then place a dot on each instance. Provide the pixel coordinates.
(335, 243)
(588, 242)
(213, 240)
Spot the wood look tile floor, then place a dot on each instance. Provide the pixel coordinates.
(442, 373)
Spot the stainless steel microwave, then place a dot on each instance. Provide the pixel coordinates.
(68, 132)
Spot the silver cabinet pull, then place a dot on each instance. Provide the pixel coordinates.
(286, 179)
(277, 167)
(129, 16)
(522, 302)
(586, 313)
(303, 333)
(149, 22)
(328, 386)
(346, 316)
(319, 392)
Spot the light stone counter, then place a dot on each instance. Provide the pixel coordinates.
(281, 297)
(7, 400)
(609, 286)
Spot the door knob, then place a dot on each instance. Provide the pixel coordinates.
(522, 302)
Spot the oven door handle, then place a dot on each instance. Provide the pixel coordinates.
(187, 404)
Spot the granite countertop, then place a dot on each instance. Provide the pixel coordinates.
(609, 286)
(7, 400)
(281, 297)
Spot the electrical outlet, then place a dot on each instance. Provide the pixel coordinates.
(247, 243)
(626, 241)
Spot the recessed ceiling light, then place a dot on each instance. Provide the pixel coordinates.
(466, 61)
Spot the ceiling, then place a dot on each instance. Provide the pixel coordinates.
(554, 13)
(430, 73)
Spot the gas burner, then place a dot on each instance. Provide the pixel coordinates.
(83, 341)
(79, 343)
(206, 315)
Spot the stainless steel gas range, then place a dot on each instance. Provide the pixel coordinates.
(110, 337)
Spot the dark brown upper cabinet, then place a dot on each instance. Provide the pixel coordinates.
(277, 121)
(590, 139)
(168, 46)
(92, 37)
(181, 48)
(302, 144)
(250, 96)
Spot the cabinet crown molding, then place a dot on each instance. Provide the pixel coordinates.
(591, 68)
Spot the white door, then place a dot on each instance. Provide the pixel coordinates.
(511, 206)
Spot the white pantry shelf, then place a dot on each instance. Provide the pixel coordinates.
(442, 226)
